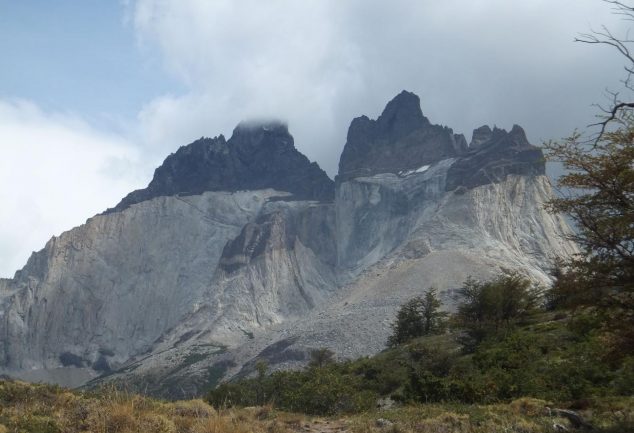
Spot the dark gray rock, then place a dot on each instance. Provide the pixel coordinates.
(493, 155)
(257, 156)
(400, 139)
(480, 135)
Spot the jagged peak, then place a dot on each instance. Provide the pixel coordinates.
(259, 155)
(401, 138)
(402, 115)
(480, 135)
(250, 135)
(484, 136)
(493, 155)
(254, 126)
(518, 135)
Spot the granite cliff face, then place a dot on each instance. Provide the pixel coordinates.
(242, 250)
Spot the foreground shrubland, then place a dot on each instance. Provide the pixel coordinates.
(505, 342)
(26, 408)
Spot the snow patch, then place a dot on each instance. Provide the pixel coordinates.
(422, 169)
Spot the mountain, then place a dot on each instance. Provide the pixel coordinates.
(255, 157)
(241, 250)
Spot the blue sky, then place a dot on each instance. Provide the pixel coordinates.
(94, 94)
(78, 56)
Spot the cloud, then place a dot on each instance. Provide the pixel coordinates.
(315, 64)
(55, 171)
(319, 63)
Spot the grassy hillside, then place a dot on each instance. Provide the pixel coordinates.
(28, 408)
(504, 364)
(504, 381)
(555, 357)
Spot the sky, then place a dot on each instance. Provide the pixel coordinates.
(95, 94)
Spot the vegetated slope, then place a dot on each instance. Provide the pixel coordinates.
(242, 250)
(554, 358)
(40, 408)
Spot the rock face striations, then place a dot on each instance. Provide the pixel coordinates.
(241, 249)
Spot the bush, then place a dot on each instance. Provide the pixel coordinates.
(514, 352)
(494, 307)
(417, 317)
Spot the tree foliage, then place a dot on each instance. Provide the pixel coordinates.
(601, 178)
(321, 357)
(542, 358)
(486, 308)
(600, 200)
(419, 316)
(601, 205)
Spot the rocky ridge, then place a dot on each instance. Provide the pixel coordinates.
(242, 250)
(257, 156)
(402, 140)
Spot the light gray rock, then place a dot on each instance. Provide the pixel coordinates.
(437, 238)
(174, 289)
(107, 290)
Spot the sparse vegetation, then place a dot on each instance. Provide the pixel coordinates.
(598, 196)
(27, 408)
(30, 408)
(503, 346)
(492, 308)
(417, 317)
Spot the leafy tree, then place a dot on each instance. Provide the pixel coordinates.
(602, 207)
(417, 317)
(601, 175)
(261, 367)
(433, 318)
(321, 357)
(490, 307)
(600, 181)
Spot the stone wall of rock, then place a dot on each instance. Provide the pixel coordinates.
(243, 249)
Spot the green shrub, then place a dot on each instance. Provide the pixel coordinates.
(417, 317)
(494, 307)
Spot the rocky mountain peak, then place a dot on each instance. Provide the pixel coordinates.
(258, 155)
(262, 133)
(480, 135)
(212, 283)
(400, 139)
(401, 116)
(494, 154)
(518, 136)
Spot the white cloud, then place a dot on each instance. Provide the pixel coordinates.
(55, 172)
(319, 63)
(316, 64)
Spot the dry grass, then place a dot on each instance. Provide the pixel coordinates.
(28, 408)
(525, 415)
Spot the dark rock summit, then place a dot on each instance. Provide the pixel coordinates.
(402, 140)
(257, 156)
(493, 155)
